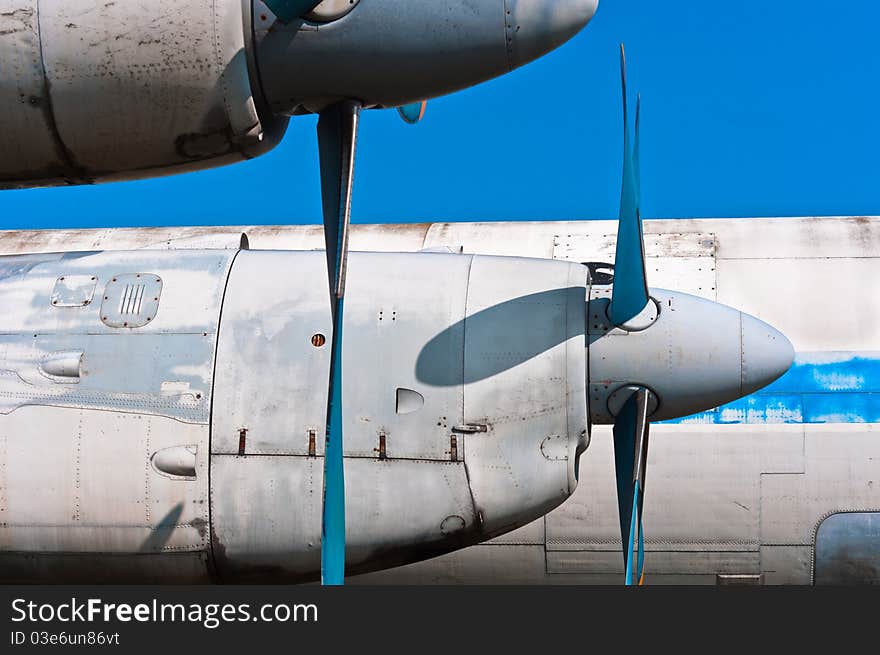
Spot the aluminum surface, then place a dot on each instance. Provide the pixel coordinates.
(757, 477)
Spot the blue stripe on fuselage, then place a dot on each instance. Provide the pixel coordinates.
(821, 387)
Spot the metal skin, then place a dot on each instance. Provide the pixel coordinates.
(465, 392)
(390, 49)
(230, 368)
(237, 85)
(119, 91)
(728, 354)
(762, 480)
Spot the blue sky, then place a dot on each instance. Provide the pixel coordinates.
(749, 109)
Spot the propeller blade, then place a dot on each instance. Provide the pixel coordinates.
(289, 10)
(337, 143)
(631, 429)
(413, 113)
(630, 292)
(637, 172)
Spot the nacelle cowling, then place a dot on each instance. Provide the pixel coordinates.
(183, 438)
(464, 395)
(110, 91)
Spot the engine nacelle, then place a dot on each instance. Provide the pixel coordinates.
(463, 383)
(162, 413)
(109, 91)
(122, 90)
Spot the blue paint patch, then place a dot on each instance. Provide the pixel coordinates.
(830, 372)
(821, 387)
(842, 408)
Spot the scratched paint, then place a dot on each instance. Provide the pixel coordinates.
(821, 387)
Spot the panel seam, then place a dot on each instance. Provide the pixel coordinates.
(213, 571)
(73, 172)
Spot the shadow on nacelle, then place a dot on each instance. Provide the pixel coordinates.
(499, 338)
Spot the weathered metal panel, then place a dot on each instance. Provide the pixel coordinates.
(271, 381)
(163, 375)
(786, 565)
(190, 301)
(840, 313)
(404, 330)
(521, 239)
(74, 290)
(169, 81)
(531, 534)
(796, 238)
(525, 320)
(848, 549)
(683, 262)
(267, 514)
(379, 238)
(843, 477)
(709, 503)
(766, 267)
(24, 96)
(84, 406)
(131, 300)
(78, 481)
(683, 564)
(753, 238)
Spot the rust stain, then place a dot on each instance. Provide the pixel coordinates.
(383, 453)
(242, 441)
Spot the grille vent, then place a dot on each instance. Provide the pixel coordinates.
(131, 300)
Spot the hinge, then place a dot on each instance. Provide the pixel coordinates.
(381, 449)
(471, 428)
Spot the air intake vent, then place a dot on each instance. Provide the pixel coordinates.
(131, 301)
(132, 298)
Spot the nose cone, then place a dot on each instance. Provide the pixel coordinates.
(766, 354)
(535, 27)
(697, 355)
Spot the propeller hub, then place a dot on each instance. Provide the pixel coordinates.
(641, 321)
(697, 355)
(389, 53)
